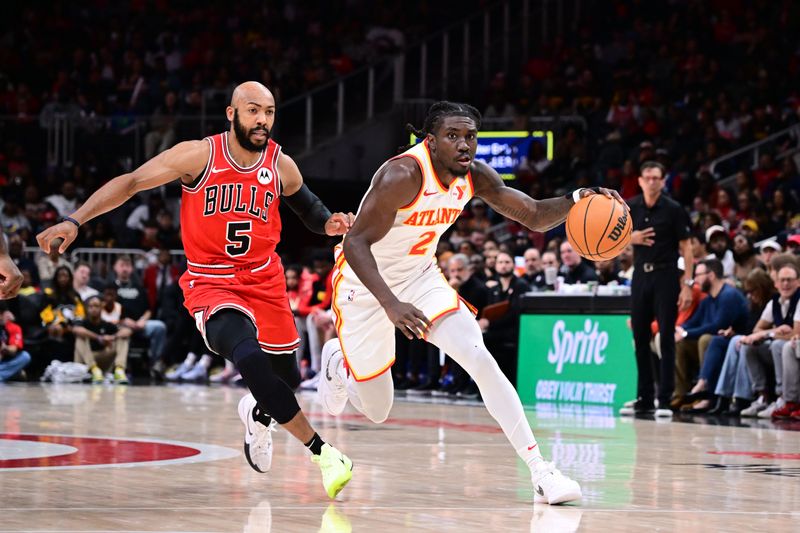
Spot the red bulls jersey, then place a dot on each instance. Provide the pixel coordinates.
(229, 216)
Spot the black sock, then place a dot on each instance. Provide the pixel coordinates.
(315, 444)
(260, 416)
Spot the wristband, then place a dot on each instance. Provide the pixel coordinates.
(70, 219)
(576, 194)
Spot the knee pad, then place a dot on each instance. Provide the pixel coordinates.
(227, 329)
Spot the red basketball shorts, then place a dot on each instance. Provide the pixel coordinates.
(259, 295)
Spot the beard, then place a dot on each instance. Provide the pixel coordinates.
(243, 135)
(741, 258)
(719, 253)
(706, 286)
(508, 274)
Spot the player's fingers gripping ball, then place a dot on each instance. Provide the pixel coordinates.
(599, 227)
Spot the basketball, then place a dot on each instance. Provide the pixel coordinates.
(599, 227)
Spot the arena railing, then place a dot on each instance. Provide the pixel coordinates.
(447, 64)
(781, 144)
(102, 259)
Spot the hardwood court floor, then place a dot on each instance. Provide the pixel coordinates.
(434, 467)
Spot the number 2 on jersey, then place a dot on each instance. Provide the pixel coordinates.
(421, 248)
(237, 235)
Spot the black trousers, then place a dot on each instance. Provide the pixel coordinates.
(502, 344)
(655, 295)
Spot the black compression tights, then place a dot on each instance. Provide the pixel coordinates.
(270, 378)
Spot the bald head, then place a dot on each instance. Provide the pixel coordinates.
(251, 91)
(252, 114)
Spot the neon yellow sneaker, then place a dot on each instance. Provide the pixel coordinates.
(337, 469)
(119, 376)
(334, 522)
(97, 374)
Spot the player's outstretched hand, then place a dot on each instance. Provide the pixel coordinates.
(10, 277)
(408, 319)
(63, 230)
(611, 193)
(339, 223)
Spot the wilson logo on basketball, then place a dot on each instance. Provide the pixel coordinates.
(599, 227)
(616, 232)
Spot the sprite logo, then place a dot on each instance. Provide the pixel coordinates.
(583, 347)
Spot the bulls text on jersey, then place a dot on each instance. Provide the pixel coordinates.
(233, 197)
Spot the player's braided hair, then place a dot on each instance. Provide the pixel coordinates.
(437, 112)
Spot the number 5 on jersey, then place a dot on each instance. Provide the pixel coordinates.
(237, 235)
(421, 248)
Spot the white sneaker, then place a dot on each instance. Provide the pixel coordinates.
(310, 383)
(771, 408)
(561, 519)
(257, 436)
(755, 408)
(551, 486)
(663, 413)
(199, 372)
(225, 375)
(331, 389)
(187, 364)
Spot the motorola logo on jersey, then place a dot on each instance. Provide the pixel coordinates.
(233, 197)
(264, 176)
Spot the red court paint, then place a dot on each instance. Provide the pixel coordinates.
(97, 451)
(761, 455)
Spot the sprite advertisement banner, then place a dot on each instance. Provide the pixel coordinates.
(585, 359)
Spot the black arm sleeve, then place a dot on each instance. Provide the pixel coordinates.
(309, 208)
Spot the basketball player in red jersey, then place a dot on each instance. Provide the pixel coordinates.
(234, 285)
(386, 277)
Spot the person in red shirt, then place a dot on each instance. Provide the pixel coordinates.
(299, 295)
(12, 357)
(158, 276)
(319, 322)
(232, 184)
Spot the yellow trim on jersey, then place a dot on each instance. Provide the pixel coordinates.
(471, 185)
(371, 376)
(436, 179)
(341, 262)
(421, 186)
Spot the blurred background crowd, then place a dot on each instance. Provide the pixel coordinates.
(681, 83)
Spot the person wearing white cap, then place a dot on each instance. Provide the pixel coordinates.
(768, 249)
(719, 244)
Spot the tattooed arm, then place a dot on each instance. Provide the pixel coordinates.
(536, 215)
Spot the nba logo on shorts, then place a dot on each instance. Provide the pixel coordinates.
(264, 176)
(351, 295)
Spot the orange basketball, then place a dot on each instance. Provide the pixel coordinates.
(599, 227)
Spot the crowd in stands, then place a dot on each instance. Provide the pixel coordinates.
(681, 87)
(681, 83)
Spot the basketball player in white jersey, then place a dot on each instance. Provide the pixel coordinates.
(386, 276)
